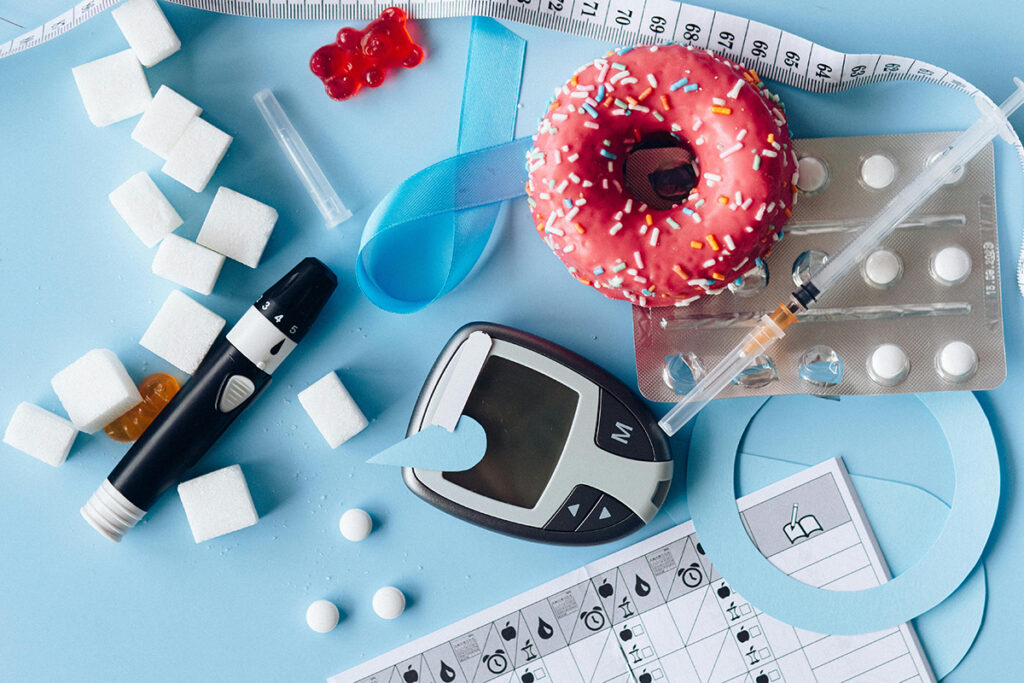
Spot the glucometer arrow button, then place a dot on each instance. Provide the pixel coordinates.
(607, 512)
(579, 503)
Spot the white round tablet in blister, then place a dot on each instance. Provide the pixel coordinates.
(953, 178)
(813, 175)
(882, 268)
(355, 524)
(388, 602)
(957, 361)
(878, 171)
(888, 365)
(951, 265)
(322, 616)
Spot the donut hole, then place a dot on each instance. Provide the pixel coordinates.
(660, 170)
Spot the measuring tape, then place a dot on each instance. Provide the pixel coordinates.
(775, 54)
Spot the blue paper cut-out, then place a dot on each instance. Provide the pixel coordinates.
(943, 568)
(435, 448)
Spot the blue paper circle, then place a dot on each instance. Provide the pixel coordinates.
(711, 494)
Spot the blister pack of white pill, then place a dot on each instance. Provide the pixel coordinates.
(923, 313)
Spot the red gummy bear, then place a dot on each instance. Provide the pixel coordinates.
(360, 58)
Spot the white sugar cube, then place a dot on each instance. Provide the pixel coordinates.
(40, 433)
(188, 264)
(145, 209)
(237, 226)
(196, 154)
(332, 409)
(164, 121)
(95, 389)
(182, 332)
(113, 88)
(217, 503)
(145, 27)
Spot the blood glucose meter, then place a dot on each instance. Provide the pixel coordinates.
(572, 456)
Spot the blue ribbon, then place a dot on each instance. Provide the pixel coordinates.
(426, 235)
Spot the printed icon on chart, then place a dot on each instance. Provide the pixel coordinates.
(529, 651)
(734, 611)
(800, 527)
(762, 677)
(410, 676)
(626, 634)
(509, 632)
(752, 654)
(635, 653)
(593, 619)
(691, 575)
(530, 676)
(723, 591)
(700, 549)
(497, 662)
(544, 630)
(627, 608)
(645, 677)
(642, 588)
(605, 590)
(447, 673)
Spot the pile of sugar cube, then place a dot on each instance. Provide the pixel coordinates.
(96, 389)
(114, 88)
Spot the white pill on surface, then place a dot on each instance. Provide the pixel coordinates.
(957, 361)
(355, 524)
(322, 616)
(813, 174)
(388, 602)
(878, 171)
(951, 265)
(882, 268)
(888, 365)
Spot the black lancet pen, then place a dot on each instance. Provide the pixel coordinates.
(229, 379)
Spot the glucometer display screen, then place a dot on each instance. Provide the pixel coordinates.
(526, 416)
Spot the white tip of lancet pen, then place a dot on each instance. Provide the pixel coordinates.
(313, 179)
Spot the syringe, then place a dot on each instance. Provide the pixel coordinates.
(993, 122)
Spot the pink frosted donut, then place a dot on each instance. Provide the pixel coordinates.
(707, 142)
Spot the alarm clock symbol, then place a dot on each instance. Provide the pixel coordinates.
(692, 575)
(496, 662)
(593, 619)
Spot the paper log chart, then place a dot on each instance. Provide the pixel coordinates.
(658, 612)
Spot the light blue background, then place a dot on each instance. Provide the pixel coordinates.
(72, 277)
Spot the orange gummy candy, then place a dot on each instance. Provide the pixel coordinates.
(157, 391)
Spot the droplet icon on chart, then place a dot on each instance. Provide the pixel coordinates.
(643, 589)
(447, 673)
(544, 630)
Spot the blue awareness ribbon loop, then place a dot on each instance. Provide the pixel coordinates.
(426, 235)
